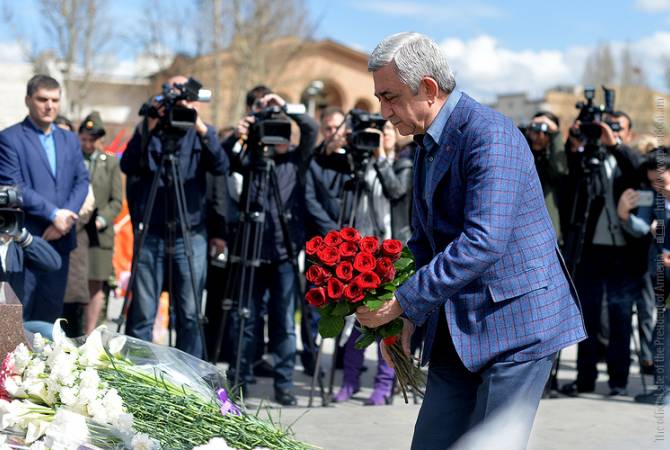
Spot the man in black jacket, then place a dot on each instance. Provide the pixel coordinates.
(277, 270)
(612, 266)
(199, 152)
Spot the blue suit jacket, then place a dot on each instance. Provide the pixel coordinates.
(23, 162)
(485, 247)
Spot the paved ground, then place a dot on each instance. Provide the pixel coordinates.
(590, 422)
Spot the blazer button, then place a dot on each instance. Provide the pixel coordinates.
(430, 158)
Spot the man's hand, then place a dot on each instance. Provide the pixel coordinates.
(607, 137)
(627, 202)
(386, 313)
(52, 233)
(271, 99)
(337, 142)
(64, 220)
(666, 259)
(243, 125)
(216, 246)
(405, 340)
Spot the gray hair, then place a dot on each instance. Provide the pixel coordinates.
(415, 56)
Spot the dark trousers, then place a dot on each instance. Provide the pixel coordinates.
(602, 276)
(457, 400)
(277, 278)
(44, 292)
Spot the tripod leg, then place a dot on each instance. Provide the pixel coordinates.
(188, 246)
(143, 228)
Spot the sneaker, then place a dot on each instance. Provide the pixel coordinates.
(285, 398)
(618, 392)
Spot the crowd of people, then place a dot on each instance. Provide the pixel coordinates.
(61, 261)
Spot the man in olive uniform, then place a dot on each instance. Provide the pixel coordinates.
(106, 182)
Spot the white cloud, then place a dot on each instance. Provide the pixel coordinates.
(485, 68)
(11, 51)
(652, 6)
(462, 11)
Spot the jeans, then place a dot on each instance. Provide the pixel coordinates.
(603, 273)
(279, 279)
(152, 266)
(457, 400)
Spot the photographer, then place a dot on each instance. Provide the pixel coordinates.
(613, 263)
(545, 140)
(198, 152)
(276, 270)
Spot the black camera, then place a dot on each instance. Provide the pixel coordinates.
(360, 142)
(176, 118)
(11, 216)
(271, 127)
(538, 127)
(591, 115)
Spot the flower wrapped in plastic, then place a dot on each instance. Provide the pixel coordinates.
(120, 392)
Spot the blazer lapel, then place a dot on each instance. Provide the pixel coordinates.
(449, 145)
(419, 186)
(59, 141)
(35, 146)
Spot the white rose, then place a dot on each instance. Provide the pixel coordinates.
(89, 378)
(14, 386)
(35, 369)
(124, 423)
(68, 395)
(38, 343)
(22, 357)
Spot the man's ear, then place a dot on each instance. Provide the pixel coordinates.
(429, 88)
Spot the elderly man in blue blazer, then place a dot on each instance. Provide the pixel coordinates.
(46, 162)
(491, 286)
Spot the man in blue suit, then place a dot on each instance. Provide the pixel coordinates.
(491, 286)
(46, 163)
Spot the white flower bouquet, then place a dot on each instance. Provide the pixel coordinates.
(115, 392)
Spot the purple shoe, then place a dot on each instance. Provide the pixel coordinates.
(379, 397)
(345, 393)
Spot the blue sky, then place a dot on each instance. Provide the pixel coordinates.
(492, 46)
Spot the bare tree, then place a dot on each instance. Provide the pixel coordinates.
(599, 68)
(76, 34)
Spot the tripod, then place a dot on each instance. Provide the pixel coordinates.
(592, 184)
(169, 170)
(246, 253)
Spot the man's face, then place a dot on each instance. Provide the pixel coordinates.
(87, 143)
(43, 106)
(331, 126)
(660, 181)
(625, 134)
(399, 105)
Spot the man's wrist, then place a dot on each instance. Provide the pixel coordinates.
(53, 214)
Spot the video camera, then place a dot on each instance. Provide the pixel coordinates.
(11, 216)
(176, 118)
(271, 127)
(360, 142)
(591, 115)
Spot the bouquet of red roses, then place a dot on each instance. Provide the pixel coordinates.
(349, 271)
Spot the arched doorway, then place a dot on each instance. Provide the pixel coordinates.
(364, 104)
(320, 94)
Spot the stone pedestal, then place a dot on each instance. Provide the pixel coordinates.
(11, 321)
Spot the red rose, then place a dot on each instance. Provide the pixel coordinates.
(344, 271)
(348, 249)
(350, 234)
(364, 262)
(316, 297)
(333, 238)
(328, 256)
(335, 289)
(313, 245)
(317, 275)
(390, 340)
(392, 248)
(368, 280)
(353, 293)
(385, 269)
(369, 244)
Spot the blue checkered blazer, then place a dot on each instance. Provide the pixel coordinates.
(485, 248)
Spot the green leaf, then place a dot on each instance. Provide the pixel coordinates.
(330, 326)
(386, 297)
(373, 303)
(402, 264)
(341, 309)
(364, 340)
(388, 287)
(391, 329)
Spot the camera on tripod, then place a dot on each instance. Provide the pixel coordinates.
(591, 115)
(176, 118)
(271, 127)
(360, 141)
(11, 216)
